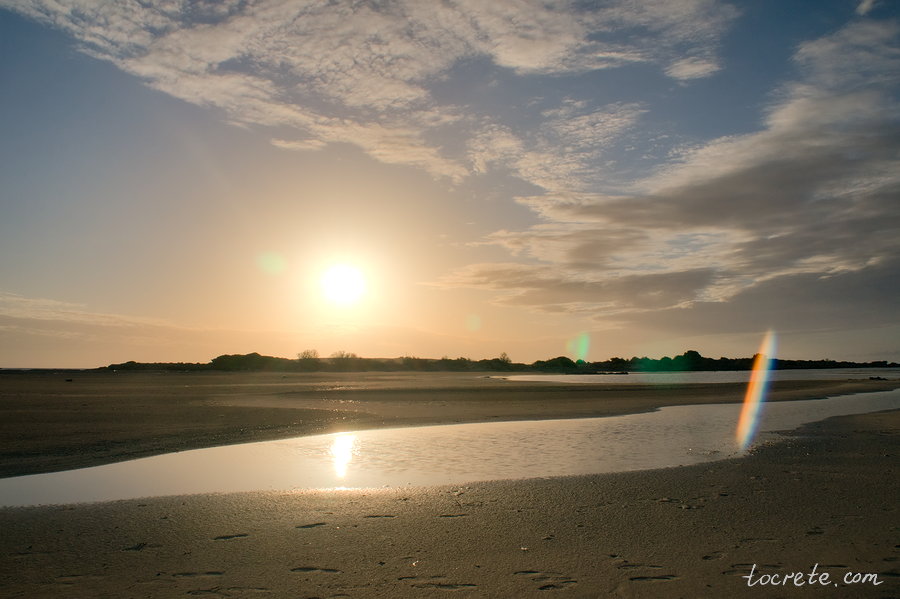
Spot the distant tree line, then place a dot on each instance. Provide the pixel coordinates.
(310, 361)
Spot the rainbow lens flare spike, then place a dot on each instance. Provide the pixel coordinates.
(756, 391)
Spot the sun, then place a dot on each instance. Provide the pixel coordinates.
(343, 284)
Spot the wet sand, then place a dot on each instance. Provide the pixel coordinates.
(48, 423)
(828, 496)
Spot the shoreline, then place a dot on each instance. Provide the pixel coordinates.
(826, 496)
(50, 424)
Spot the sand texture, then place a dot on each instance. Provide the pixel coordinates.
(827, 499)
(828, 496)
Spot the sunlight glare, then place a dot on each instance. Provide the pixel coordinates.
(343, 284)
(342, 452)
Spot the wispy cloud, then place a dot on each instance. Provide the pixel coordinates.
(361, 73)
(299, 144)
(42, 309)
(552, 289)
(864, 7)
(692, 68)
(565, 152)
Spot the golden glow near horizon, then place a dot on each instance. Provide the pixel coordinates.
(343, 284)
(756, 390)
(342, 452)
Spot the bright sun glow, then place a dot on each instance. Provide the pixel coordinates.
(343, 284)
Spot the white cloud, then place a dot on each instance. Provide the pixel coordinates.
(691, 68)
(564, 152)
(865, 6)
(360, 73)
(862, 54)
(572, 129)
(494, 146)
(299, 144)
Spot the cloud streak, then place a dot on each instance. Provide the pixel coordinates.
(41, 309)
(362, 73)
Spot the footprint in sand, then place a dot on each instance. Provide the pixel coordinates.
(751, 540)
(663, 578)
(436, 582)
(627, 566)
(315, 569)
(551, 580)
(230, 537)
(70, 578)
(444, 586)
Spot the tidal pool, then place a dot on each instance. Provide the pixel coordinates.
(432, 455)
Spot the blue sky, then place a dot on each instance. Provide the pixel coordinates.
(652, 176)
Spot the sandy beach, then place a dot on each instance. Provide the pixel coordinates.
(71, 420)
(825, 498)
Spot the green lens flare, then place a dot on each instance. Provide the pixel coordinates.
(579, 346)
(271, 263)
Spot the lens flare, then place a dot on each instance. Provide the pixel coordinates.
(579, 346)
(271, 263)
(756, 391)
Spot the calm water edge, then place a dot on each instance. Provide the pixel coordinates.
(432, 455)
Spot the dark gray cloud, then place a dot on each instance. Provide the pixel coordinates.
(861, 299)
(801, 217)
(587, 249)
(837, 202)
(551, 289)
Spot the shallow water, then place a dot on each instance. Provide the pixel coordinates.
(449, 454)
(723, 376)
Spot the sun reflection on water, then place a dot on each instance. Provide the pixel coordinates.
(342, 452)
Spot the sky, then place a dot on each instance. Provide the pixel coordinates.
(590, 179)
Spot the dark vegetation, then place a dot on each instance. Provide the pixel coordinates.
(309, 361)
